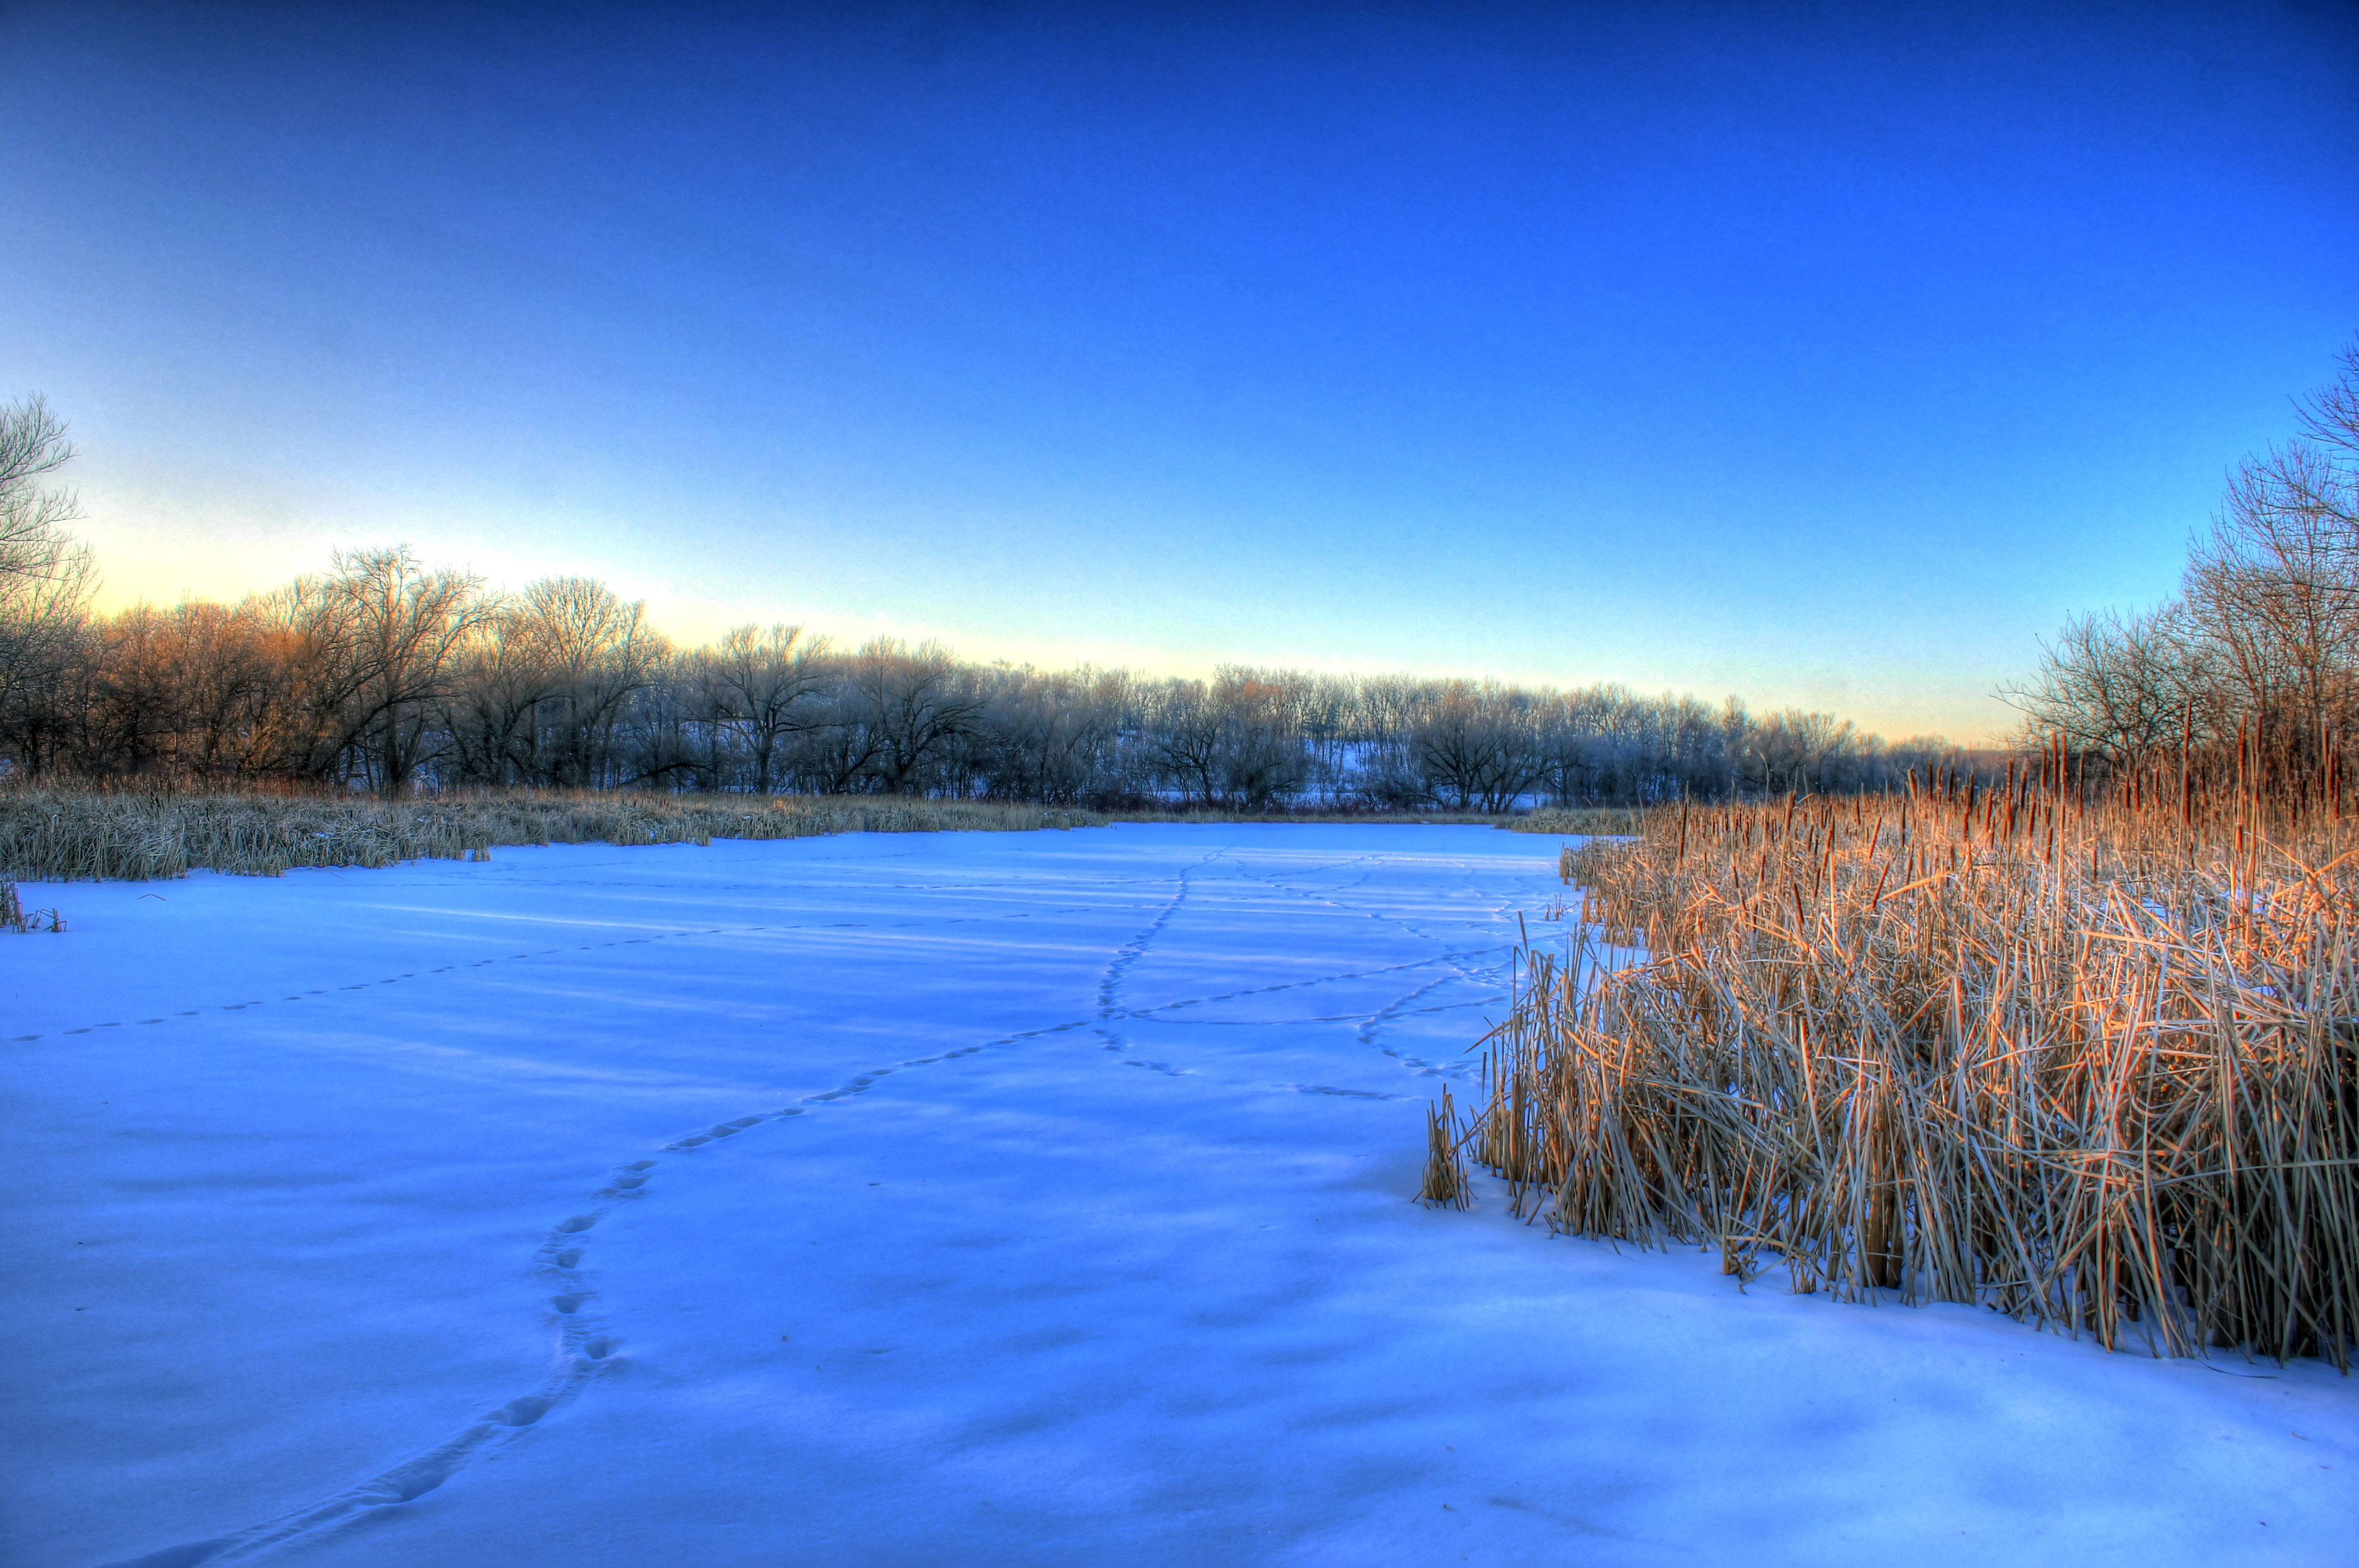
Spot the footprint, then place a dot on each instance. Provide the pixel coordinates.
(412, 1481)
(598, 1349)
(521, 1411)
(568, 1303)
(579, 1223)
(692, 1142)
(743, 1122)
(568, 1259)
(632, 1183)
(640, 1165)
(184, 1556)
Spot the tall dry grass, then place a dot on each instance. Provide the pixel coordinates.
(74, 834)
(2093, 1064)
(1569, 820)
(1589, 821)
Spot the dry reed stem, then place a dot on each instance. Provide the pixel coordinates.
(2092, 1064)
(16, 917)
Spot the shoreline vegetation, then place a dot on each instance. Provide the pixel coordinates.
(2090, 1061)
(89, 834)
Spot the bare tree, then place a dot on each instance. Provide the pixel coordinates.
(46, 580)
(1185, 744)
(1478, 749)
(33, 540)
(599, 652)
(764, 682)
(1053, 736)
(2275, 589)
(497, 688)
(1260, 755)
(406, 626)
(2264, 639)
(916, 706)
(371, 644)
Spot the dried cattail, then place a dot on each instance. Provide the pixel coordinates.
(2110, 1083)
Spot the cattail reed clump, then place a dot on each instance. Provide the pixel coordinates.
(2092, 1063)
(1446, 1183)
(66, 834)
(16, 917)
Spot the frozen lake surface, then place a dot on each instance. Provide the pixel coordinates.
(1022, 1198)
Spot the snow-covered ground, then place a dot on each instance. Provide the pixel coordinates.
(983, 1198)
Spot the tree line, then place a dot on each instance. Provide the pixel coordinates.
(389, 673)
(2250, 670)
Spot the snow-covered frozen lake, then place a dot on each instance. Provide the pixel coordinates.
(1023, 1199)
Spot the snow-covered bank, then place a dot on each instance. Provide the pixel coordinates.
(1069, 1225)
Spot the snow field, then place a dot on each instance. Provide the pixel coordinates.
(1009, 1199)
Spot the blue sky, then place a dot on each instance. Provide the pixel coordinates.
(1824, 355)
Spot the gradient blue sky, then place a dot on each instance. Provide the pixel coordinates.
(1824, 355)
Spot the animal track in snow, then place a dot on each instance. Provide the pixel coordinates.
(585, 1345)
(1136, 949)
(661, 936)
